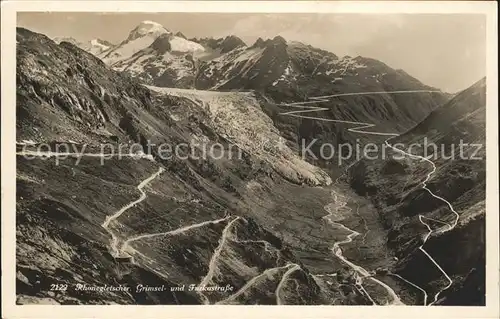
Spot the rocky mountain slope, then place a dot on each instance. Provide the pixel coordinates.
(395, 186)
(231, 221)
(169, 60)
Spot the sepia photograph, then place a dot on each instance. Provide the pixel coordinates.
(255, 158)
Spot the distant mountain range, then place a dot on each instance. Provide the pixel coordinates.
(280, 70)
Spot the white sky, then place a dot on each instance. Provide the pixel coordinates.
(443, 50)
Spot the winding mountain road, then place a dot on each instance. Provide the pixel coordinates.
(421, 217)
(412, 284)
(360, 128)
(111, 218)
(212, 265)
(266, 273)
(177, 231)
(114, 237)
(337, 251)
(283, 281)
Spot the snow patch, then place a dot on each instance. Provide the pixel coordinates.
(287, 75)
(139, 38)
(126, 50)
(179, 44)
(148, 27)
(344, 65)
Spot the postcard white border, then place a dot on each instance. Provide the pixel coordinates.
(8, 67)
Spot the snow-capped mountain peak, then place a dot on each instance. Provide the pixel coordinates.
(147, 28)
(142, 36)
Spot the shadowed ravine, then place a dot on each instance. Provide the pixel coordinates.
(359, 129)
